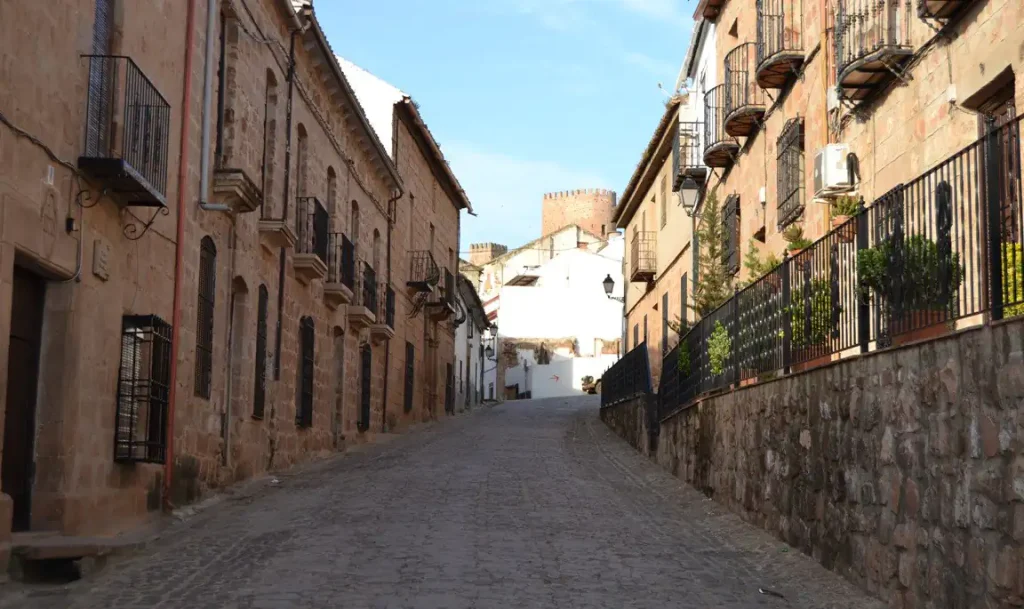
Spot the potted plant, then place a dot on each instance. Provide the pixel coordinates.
(1013, 279)
(916, 283)
(844, 208)
(795, 239)
(811, 333)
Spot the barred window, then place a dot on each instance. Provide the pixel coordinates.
(260, 390)
(410, 374)
(731, 234)
(204, 317)
(304, 408)
(791, 172)
(664, 322)
(664, 200)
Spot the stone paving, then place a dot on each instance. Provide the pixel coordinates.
(526, 504)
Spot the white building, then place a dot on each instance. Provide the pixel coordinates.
(557, 325)
(469, 349)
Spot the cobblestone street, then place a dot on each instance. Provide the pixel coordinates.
(528, 504)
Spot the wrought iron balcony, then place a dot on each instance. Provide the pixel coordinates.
(340, 285)
(941, 9)
(779, 42)
(384, 326)
(444, 306)
(369, 288)
(362, 311)
(311, 239)
(688, 154)
(872, 43)
(423, 271)
(127, 130)
(745, 101)
(719, 147)
(643, 256)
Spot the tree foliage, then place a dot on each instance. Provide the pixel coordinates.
(714, 285)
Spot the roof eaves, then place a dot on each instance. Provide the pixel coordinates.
(385, 159)
(435, 151)
(620, 216)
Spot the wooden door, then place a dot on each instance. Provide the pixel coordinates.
(22, 380)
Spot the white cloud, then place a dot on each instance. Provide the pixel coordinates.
(507, 192)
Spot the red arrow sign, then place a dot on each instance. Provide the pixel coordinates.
(555, 377)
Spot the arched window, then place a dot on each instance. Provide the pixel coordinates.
(260, 392)
(376, 250)
(269, 145)
(204, 317)
(353, 227)
(302, 162)
(304, 405)
(332, 195)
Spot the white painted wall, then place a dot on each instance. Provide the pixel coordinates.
(561, 378)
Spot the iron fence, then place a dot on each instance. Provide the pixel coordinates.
(127, 121)
(627, 378)
(944, 247)
(311, 228)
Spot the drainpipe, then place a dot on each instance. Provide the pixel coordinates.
(179, 250)
(387, 348)
(204, 152)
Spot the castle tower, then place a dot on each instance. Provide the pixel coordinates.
(590, 208)
(482, 253)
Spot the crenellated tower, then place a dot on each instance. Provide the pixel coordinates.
(590, 208)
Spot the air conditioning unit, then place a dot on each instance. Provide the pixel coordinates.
(831, 171)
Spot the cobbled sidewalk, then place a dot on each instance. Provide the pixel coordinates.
(527, 504)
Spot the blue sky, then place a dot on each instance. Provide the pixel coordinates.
(524, 96)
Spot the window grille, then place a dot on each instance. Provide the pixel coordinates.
(731, 220)
(791, 172)
(143, 388)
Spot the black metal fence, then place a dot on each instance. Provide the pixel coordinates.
(341, 262)
(127, 120)
(628, 378)
(311, 222)
(944, 247)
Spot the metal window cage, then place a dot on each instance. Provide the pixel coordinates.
(143, 389)
(731, 221)
(791, 172)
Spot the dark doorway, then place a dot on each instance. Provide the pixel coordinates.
(22, 380)
(366, 357)
(449, 390)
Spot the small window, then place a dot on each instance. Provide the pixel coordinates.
(603, 231)
(304, 405)
(731, 234)
(143, 390)
(260, 389)
(791, 172)
(204, 317)
(410, 374)
(353, 227)
(302, 163)
(645, 328)
(636, 336)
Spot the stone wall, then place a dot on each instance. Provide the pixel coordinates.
(902, 470)
(591, 209)
(629, 420)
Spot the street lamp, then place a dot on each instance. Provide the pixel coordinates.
(689, 192)
(609, 285)
(489, 352)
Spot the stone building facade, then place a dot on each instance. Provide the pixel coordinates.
(589, 208)
(947, 62)
(158, 340)
(658, 232)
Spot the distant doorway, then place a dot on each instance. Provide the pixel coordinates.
(22, 380)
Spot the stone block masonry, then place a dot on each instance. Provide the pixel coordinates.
(902, 470)
(591, 209)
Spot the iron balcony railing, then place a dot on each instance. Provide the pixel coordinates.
(742, 92)
(688, 152)
(341, 263)
(867, 28)
(423, 271)
(779, 29)
(449, 287)
(928, 256)
(643, 256)
(386, 305)
(628, 378)
(368, 288)
(127, 130)
(718, 145)
(311, 228)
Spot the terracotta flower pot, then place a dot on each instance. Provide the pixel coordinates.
(847, 232)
